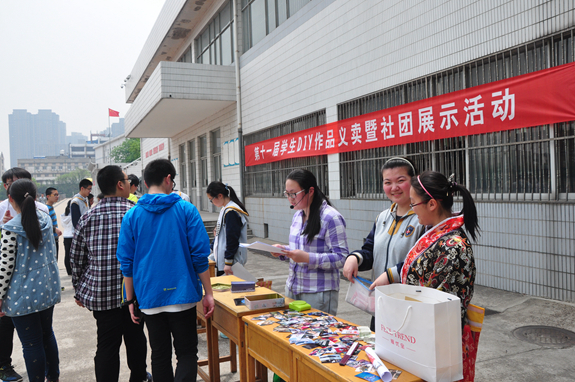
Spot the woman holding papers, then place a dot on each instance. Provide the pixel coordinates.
(395, 230)
(231, 228)
(317, 244)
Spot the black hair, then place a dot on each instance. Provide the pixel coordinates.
(399, 162)
(90, 196)
(7, 175)
(134, 181)
(49, 191)
(20, 173)
(23, 191)
(157, 170)
(101, 196)
(15, 172)
(216, 188)
(67, 210)
(306, 180)
(85, 183)
(108, 178)
(442, 190)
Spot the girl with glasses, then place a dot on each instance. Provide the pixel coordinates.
(394, 232)
(231, 229)
(317, 244)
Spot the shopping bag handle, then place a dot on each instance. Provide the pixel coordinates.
(404, 318)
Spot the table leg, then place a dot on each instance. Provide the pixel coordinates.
(233, 357)
(261, 372)
(213, 353)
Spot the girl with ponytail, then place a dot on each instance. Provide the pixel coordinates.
(29, 275)
(443, 258)
(231, 229)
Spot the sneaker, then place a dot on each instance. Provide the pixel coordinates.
(222, 335)
(148, 378)
(7, 374)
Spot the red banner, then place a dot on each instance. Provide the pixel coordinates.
(538, 98)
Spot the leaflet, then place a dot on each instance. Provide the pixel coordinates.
(262, 247)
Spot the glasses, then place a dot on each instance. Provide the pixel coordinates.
(211, 200)
(174, 186)
(292, 195)
(417, 204)
(128, 180)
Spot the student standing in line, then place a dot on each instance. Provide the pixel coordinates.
(97, 280)
(29, 276)
(80, 203)
(7, 212)
(163, 251)
(52, 197)
(231, 229)
(134, 184)
(395, 230)
(317, 244)
(68, 234)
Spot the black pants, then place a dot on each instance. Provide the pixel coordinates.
(67, 246)
(6, 341)
(112, 326)
(181, 326)
(57, 247)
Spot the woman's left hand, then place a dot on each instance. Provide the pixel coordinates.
(381, 280)
(228, 270)
(297, 255)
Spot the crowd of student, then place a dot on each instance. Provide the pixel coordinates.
(146, 259)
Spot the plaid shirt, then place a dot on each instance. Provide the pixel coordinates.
(327, 253)
(96, 274)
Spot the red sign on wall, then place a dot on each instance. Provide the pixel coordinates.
(538, 98)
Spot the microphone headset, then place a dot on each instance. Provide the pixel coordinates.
(293, 206)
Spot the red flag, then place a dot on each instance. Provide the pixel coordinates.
(113, 113)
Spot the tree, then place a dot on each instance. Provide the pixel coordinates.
(73, 177)
(127, 152)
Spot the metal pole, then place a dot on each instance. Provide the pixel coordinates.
(239, 98)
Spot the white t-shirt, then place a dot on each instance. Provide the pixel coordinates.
(5, 205)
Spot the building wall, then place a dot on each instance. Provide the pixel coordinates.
(357, 50)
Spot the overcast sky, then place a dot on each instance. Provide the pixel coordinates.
(70, 56)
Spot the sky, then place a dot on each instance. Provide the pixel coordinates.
(70, 56)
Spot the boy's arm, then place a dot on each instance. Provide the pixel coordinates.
(208, 300)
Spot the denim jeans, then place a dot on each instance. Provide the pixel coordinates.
(182, 327)
(6, 341)
(112, 325)
(39, 345)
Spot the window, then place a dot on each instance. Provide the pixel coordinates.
(187, 56)
(183, 172)
(192, 159)
(534, 163)
(215, 44)
(261, 17)
(269, 179)
(216, 155)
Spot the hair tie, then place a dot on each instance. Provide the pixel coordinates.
(401, 159)
(227, 189)
(452, 183)
(421, 184)
(26, 195)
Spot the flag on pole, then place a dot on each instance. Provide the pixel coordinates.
(113, 113)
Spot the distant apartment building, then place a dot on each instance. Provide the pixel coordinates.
(41, 134)
(75, 138)
(117, 129)
(46, 169)
(2, 163)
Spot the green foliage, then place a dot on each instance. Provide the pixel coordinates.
(73, 177)
(127, 152)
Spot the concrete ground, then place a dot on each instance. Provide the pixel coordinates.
(501, 357)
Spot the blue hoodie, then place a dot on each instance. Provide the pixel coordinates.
(164, 246)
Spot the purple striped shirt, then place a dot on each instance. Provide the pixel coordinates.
(327, 253)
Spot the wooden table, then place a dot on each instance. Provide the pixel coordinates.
(227, 318)
(291, 362)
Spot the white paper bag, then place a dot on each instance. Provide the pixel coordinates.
(422, 336)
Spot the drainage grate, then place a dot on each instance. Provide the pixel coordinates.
(548, 336)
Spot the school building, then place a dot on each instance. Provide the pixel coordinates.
(244, 91)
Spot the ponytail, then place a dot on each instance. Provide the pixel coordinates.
(23, 192)
(216, 188)
(438, 187)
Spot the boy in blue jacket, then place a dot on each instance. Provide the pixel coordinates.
(163, 252)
